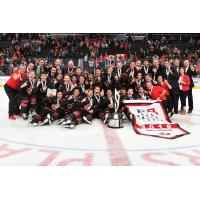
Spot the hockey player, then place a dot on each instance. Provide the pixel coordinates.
(71, 104)
(82, 86)
(108, 79)
(130, 96)
(141, 95)
(131, 71)
(28, 90)
(48, 112)
(65, 87)
(74, 81)
(90, 81)
(109, 107)
(85, 113)
(136, 82)
(98, 99)
(122, 93)
(42, 84)
(98, 79)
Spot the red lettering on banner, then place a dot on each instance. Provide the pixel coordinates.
(50, 158)
(194, 159)
(86, 161)
(150, 157)
(10, 152)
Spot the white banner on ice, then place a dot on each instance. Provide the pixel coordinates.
(151, 119)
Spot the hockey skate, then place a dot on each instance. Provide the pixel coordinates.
(32, 114)
(60, 121)
(124, 116)
(106, 118)
(66, 122)
(85, 119)
(47, 121)
(34, 124)
(25, 116)
(71, 125)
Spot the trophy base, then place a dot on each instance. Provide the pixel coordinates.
(115, 121)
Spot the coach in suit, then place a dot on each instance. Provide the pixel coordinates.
(171, 75)
(157, 69)
(190, 71)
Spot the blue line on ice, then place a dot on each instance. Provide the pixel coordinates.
(98, 150)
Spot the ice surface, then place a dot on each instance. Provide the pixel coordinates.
(96, 144)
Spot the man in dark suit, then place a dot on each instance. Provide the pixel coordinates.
(176, 64)
(40, 68)
(171, 75)
(119, 73)
(156, 69)
(98, 101)
(190, 71)
(109, 79)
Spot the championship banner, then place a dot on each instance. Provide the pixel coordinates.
(150, 118)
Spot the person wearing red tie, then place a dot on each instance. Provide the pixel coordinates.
(157, 93)
(11, 87)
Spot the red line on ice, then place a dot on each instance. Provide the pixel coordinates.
(118, 154)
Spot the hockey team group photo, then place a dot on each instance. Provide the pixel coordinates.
(100, 88)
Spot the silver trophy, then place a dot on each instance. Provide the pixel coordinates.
(116, 120)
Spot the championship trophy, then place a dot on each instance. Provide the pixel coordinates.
(116, 120)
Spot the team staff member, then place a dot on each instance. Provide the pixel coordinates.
(190, 71)
(157, 93)
(11, 90)
(165, 85)
(184, 87)
(170, 74)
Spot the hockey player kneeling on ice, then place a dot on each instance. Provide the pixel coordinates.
(72, 104)
(48, 112)
(85, 113)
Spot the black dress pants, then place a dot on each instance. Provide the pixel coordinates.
(11, 93)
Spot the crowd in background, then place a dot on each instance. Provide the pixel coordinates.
(88, 51)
